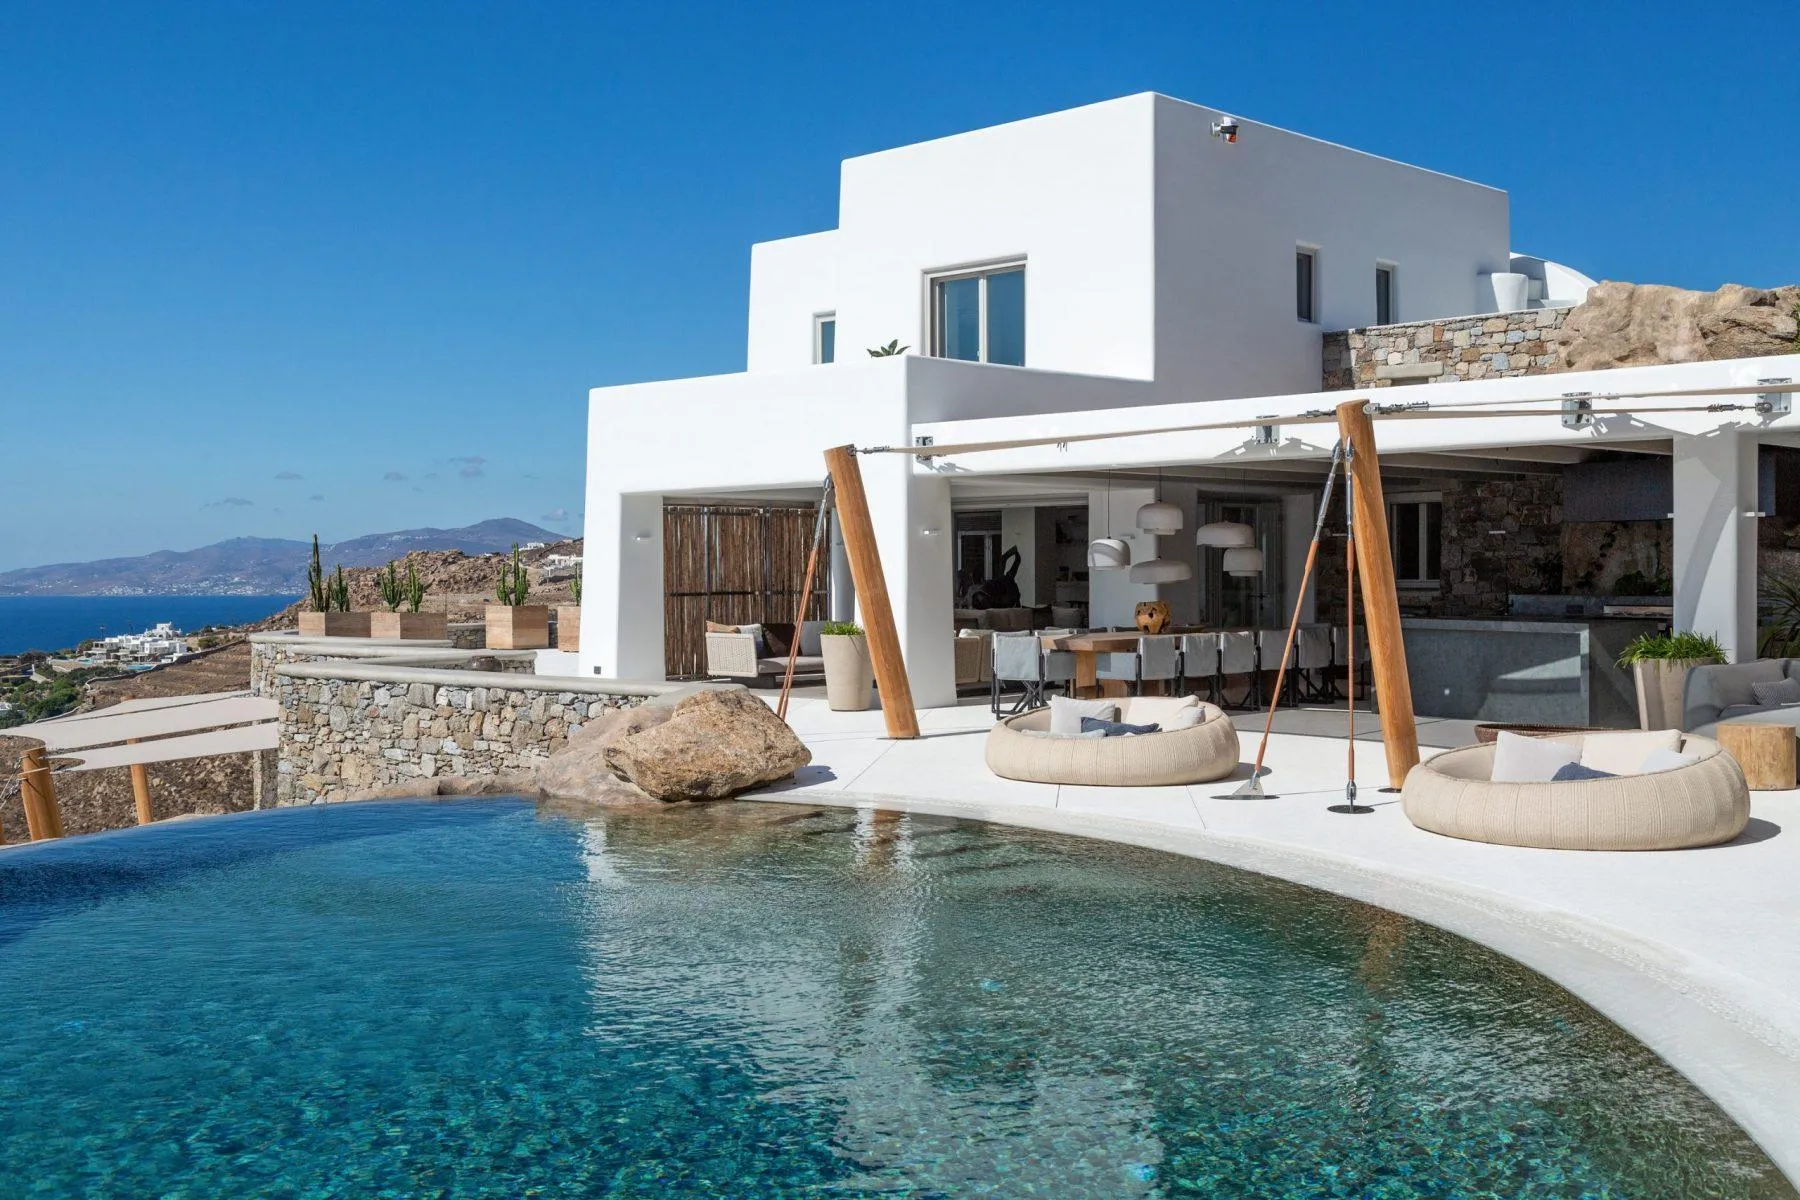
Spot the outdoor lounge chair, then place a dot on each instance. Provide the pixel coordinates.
(1699, 804)
(1158, 657)
(1237, 656)
(740, 655)
(1019, 748)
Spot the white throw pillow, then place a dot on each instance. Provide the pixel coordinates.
(1066, 714)
(1665, 760)
(1157, 710)
(1184, 718)
(756, 633)
(1521, 759)
(1623, 753)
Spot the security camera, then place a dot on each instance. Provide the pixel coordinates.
(1227, 128)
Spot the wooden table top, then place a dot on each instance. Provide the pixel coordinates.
(1104, 643)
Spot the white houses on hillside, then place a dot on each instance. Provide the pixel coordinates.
(1138, 263)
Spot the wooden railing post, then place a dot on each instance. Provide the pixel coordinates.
(1381, 600)
(871, 593)
(37, 789)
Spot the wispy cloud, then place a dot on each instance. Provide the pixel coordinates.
(315, 496)
(474, 460)
(555, 514)
(230, 502)
(470, 471)
(288, 475)
(393, 477)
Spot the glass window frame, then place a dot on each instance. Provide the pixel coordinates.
(1391, 273)
(934, 307)
(820, 321)
(1310, 254)
(1426, 527)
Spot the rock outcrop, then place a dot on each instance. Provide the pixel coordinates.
(716, 744)
(579, 771)
(1631, 325)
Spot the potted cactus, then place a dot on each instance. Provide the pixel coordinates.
(513, 624)
(849, 672)
(329, 596)
(408, 593)
(568, 619)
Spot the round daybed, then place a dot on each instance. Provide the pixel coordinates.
(1699, 804)
(1198, 754)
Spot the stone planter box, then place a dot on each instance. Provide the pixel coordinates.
(568, 627)
(849, 672)
(408, 626)
(1660, 683)
(518, 627)
(334, 624)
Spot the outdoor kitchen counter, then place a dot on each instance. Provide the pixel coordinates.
(1538, 672)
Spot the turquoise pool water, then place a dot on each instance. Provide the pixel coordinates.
(476, 999)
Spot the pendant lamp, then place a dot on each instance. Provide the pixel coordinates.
(1243, 560)
(1161, 570)
(1159, 517)
(1225, 535)
(1108, 553)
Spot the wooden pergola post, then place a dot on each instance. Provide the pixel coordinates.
(37, 789)
(140, 788)
(1380, 597)
(871, 593)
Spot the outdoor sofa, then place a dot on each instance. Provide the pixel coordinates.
(761, 651)
(1728, 693)
(1022, 747)
(1701, 803)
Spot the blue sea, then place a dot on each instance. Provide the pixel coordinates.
(61, 622)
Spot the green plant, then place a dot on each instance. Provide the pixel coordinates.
(340, 590)
(392, 590)
(890, 350)
(1780, 616)
(841, 629)
(1658, 647)
(515, 580)
(315, 581)
(415, 587)
(575, 589)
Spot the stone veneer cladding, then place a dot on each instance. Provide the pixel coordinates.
(1495, 346)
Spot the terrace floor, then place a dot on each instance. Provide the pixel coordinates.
(1695, 952)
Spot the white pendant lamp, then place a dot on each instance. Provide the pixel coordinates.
(1159, 517)
(1161, 570)
(1225, 535)
(1108, 553)
(1243, 560)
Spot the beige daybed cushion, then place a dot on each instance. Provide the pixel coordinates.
(1698, 804)
(1197, 754)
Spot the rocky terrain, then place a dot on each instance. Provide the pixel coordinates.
(256, 566)
(1639, 324)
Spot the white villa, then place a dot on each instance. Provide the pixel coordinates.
(1150, 264)
(162, 643)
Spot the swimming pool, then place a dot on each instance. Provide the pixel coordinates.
(475, 999)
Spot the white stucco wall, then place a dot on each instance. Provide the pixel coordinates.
(792, 281)
(1229, 218)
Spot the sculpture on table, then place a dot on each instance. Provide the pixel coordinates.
(1152, 616)
(1000, 591)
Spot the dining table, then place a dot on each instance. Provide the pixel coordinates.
(1087, 647)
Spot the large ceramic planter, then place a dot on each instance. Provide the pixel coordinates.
(334, 624)
(849, 674)
(408, 626)
(568, 627)
(518, 627)
(1660, 683)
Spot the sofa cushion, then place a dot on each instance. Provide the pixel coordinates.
(1184, 718)
(1066, 714)
(1572, 772)
(1160, 709)
(1623, 752)
(1665, 760)
(1732, 684)
(1045, 733)
(805, 664)
(1782, 691)
(1521, 759)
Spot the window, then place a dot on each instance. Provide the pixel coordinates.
(979, 316)
(1384, 294)
(1415, 529)
(825, 338)
(1306, 284)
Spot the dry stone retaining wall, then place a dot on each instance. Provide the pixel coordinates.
(1495, 346)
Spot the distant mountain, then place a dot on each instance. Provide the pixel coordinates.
(255, 566)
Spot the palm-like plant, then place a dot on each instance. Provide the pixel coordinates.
(1780, 605)
(890, 350)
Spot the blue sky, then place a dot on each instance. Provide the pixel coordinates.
(270, 270)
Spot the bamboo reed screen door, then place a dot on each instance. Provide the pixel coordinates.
(734, 564)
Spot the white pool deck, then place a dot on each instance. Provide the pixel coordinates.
(1695, 952)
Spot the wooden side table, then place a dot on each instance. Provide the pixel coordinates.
(1764, 751)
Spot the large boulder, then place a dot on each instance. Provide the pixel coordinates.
(579, 770)
(717, 744)
(1631, 325)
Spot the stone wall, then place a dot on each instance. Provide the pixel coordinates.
(341, 737)
(1495, 346)
(271, 650)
